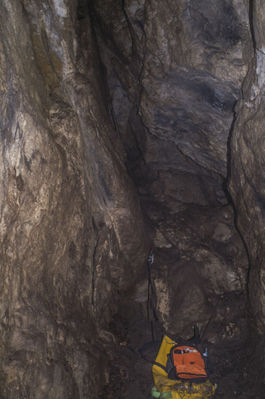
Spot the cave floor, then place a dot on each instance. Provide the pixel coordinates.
(138, 341)
(131, 375)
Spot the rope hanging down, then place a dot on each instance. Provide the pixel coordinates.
(150, 261)
(151, 311)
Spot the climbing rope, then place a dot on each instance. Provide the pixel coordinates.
(150, 261)
(151, 310)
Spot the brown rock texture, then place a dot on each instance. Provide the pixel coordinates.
(127, 124)
(72, 236)
(246, 184)
(247, 178)
(174, 71)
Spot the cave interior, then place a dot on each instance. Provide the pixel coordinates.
(130, 126)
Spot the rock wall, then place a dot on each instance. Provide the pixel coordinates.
(124, 123)
(247, 159)
(174, 72)
(72, 236)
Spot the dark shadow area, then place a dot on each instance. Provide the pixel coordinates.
(176, 122)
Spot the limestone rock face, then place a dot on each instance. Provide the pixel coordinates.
(72, 236)
(124, 123)
(174, 72)
(247, 159)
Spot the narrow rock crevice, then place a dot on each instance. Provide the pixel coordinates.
(129, 125)
(251, 23)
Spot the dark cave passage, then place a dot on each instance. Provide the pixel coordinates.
(174, 111)
(127, 126)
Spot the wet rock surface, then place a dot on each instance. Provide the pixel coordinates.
(72, 236)
(246, 182)
(173, 103)
(124, 124)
